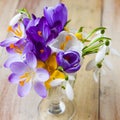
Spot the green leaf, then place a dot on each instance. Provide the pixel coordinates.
(80, 29)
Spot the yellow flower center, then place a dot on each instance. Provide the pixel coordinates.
(26, 77)
(56, 74)
(79, 36)
(51, 66)
(39, 33)
(64, 43)
(16, 48)
(18, 32)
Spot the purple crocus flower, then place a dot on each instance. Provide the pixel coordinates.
(31, 22)
(26, 73)
(16, 43)
(69, 61)
(40, 32)
(56, 17)
(41, 51)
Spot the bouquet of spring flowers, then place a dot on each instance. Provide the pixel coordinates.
(44, 53)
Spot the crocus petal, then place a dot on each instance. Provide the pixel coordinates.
(56, 14)
(56, 82)
(60, 14)
(24, 90)
(15, 19)
(40, 89)
(8, 41)
(90, 65)
(31, 60)
(13, 78)
(26, 21)
(100, 55)
(73, 69)
(72, 44)
(22, 27)
(69, 91)
(11, 60)
(18, 67)
(48, 12)
(42, 75)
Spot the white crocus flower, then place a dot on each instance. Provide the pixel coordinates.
(15, 19)
(66, 41)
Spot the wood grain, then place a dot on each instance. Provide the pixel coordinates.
(85, 13)
(13, 107)
(110, 83)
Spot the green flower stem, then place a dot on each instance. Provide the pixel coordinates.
(98, 39)
(91, 49)
(95, 30)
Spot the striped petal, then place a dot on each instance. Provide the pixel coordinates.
(40, 89)
(11, 60)
(9, 41)
(13, 78)
(31, 60)
(25, 89)
(18, 67)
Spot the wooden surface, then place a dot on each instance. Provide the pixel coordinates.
(95, 101)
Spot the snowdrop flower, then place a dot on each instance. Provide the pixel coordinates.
(101, 62)
(66, 85)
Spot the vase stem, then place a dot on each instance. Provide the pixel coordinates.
(56, 107)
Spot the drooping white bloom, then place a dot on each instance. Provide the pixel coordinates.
(101, 58)
(101, 54)
(69, 91)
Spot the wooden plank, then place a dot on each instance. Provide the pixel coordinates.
(110, 83)
(13, 107)
(6, 13)
(85, 13)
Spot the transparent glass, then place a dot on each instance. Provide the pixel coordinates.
(56, 106)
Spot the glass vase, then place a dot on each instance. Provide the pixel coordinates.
(56, 106)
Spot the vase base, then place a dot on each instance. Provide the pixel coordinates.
(65, 110)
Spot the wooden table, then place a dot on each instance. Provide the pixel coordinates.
(95, 101)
